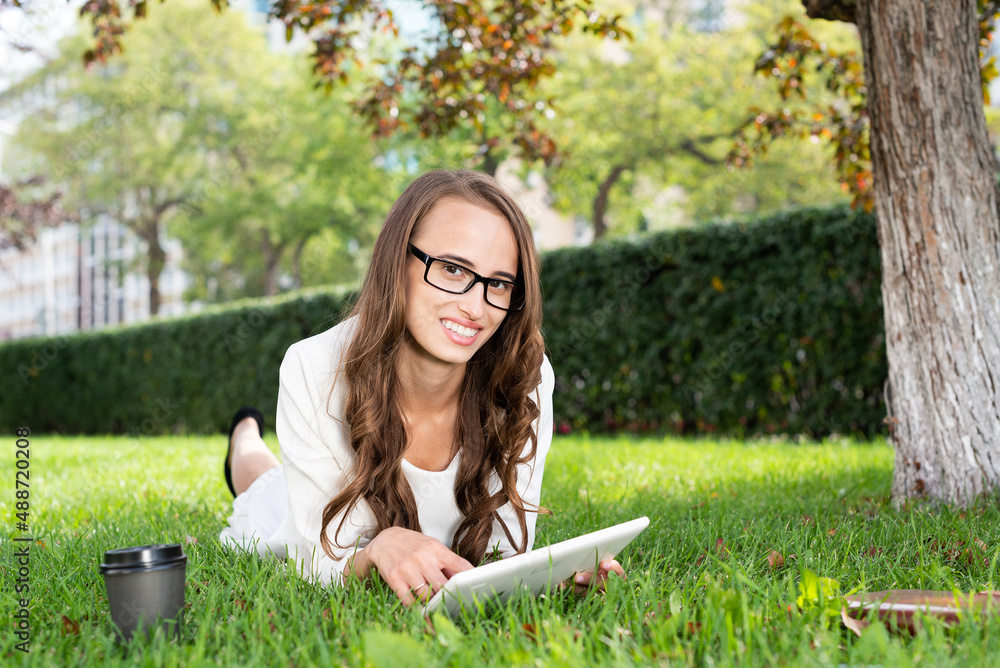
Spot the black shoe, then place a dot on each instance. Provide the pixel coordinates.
(241, 414)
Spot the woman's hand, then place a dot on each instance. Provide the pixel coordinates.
(587, 580)
(414, 566)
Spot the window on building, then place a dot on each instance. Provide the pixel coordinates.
(107, 277)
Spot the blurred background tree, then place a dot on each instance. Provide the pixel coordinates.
(298, 190)
(217, 141)
(477, 58)
(632, 134)
(645, 126)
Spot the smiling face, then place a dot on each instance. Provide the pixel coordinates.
(448, 328)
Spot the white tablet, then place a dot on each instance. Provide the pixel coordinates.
(536, 570)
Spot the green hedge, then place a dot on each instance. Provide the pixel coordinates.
(769, 326)
(179, 375)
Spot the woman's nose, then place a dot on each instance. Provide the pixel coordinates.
(473, 302)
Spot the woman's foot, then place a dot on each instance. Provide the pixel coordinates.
(248, 456)
(241, 422)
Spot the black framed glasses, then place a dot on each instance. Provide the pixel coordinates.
(451, 277)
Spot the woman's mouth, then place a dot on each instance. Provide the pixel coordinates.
(459, 333)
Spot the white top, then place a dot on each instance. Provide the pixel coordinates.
(317, 460)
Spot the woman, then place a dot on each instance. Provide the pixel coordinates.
(413, 435)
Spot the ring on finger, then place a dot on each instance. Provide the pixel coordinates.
(419, 587)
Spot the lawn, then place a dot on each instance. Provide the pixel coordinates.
(701, 589)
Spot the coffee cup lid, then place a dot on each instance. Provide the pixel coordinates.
(145, 555)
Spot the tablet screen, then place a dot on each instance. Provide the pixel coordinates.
(537, 570)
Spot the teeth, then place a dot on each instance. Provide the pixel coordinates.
(458, 329)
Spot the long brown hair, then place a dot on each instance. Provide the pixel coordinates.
(496, 411)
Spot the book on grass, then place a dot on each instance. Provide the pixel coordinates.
(902, 608)
(534, 571)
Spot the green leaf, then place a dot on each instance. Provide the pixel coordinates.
(815, 591)
(384, 649)
(676, 603)
(447, 633)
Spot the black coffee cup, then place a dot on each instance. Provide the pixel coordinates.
(145, 588)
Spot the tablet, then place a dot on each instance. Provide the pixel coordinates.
(534, 571)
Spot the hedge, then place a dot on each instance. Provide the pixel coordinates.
(180, 375)
(768, 326)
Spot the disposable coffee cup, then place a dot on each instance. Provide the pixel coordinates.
(145, 588)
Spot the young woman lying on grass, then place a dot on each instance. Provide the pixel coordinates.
(413, 435)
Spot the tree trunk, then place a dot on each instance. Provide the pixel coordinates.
(490, 163)
(300, 246)
(601, 201)
(939, 237)
(155, 262)
(272, 258)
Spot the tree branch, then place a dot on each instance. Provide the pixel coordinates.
(689, 146)
(831, 10)
(163, 207)
(22, 219)
(990, 9)
(244, 165)
(600, 204)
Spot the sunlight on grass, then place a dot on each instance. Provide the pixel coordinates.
(700, 589)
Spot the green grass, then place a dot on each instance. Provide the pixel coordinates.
(689, 599)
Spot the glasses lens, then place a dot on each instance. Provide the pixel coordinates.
(499, 293)
(449, 277)
(454, 278)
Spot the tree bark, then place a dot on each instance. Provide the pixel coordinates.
(300, 246)
(156, 261)
(601, 201)
(272, 257)
(936, 201)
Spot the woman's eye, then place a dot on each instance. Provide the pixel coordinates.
(452, 270)
(499, 286)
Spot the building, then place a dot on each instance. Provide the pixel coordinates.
(79, 277)
(76, 276)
